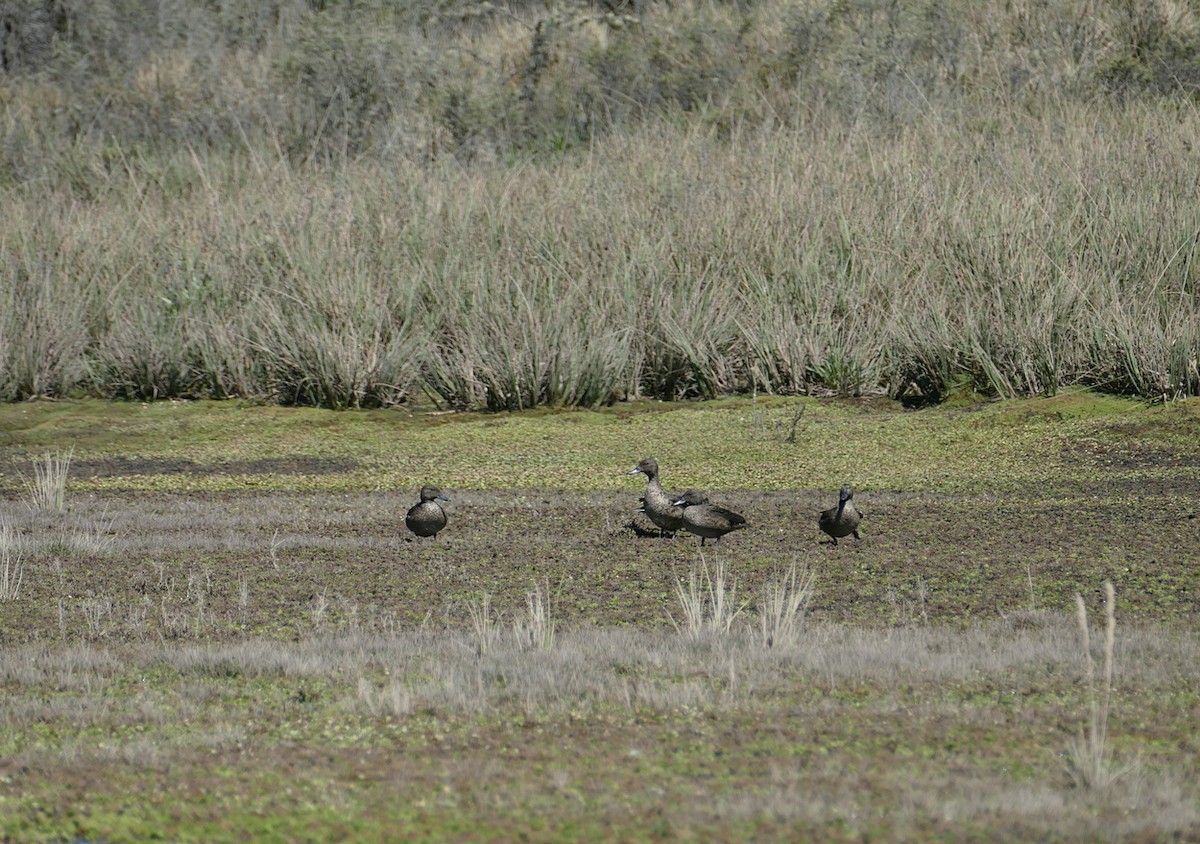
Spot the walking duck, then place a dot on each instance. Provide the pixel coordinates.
(707, 521)
(659, 506)
(843, 519)
(428, 517)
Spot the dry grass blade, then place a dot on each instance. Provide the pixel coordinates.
(1090, 763)
(276, 543)
(707, 600)
(534, 628)
(12, 570)
(485, 625)
(783, 606)
(47, 490)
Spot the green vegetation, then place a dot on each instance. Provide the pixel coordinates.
(226, 631)
(608, 735)
(770, 443)
(241, 217)
(351, 204)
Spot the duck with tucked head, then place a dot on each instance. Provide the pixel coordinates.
(843, 519)
(659, 506)
(427, 517)
(707, 521)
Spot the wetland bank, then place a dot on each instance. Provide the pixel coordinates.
(229, 627)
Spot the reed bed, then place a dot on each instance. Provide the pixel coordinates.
(827, 198)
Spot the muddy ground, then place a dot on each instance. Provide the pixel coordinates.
(228, 564)
(107, 738)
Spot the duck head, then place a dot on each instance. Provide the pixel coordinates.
(691, 497)
(649, 466)
(844, 496)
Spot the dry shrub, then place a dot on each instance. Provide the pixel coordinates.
(555, 204)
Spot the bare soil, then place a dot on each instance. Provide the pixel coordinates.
(137, 747)
(266, 559)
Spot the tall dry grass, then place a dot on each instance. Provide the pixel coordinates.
(534, 627)
(555, 205)
(708, 602)
(47, 489)
(783, 606)
(709, 607)
(12, 567)
(1090, 761)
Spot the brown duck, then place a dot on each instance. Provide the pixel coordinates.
(659, 506)
(707, 521)
(427, 517)
(843, 519)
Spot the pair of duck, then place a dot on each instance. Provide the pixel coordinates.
(694, 513)
(691, 511)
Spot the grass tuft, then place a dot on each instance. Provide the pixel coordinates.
(485, 624)
(783, 605)
(534, 628)
(707, 601)
(1090, 761)
(47, 489)
(12, 570)
(391, 698)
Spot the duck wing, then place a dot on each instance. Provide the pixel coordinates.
(732, 517)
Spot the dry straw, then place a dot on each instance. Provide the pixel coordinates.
(12, 570)
(485, 624)
(47, 489)
(1090, 762)
(534, 627)
(783, 605)
(707, 601)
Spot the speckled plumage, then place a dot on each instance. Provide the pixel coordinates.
(707, 521)
(427, 517)
(659, 506)
(843, 519)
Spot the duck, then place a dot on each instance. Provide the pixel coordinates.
(637, 529)
(659, 506)
(843, 519)
(427, 517)
(707, 521)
